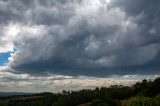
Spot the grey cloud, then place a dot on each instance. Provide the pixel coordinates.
(84, 37)
(145, 14)
(25, 82)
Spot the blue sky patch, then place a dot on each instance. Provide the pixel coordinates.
(4, 58)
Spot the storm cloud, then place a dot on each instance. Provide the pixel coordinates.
(82, 37)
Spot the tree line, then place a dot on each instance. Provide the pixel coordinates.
(144, 93)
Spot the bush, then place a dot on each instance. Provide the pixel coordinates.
(95, 102)
(140, 101)
(105, 102)
(156, 100)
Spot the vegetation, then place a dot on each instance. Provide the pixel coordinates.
(145, 93)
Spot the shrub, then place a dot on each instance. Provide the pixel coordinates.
(156, 100)
(140, 101)
(105, 102)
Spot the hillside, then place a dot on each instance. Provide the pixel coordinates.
(145, 93)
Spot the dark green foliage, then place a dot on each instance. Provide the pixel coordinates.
(42, 99)
(140, 101)
(156, 100)
(145, 93)
(105, 102)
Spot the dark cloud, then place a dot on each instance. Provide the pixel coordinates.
(84, 37)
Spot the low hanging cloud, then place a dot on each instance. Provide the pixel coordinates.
(57, 83)
(83, 37)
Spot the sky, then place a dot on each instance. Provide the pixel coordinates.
(51, 45)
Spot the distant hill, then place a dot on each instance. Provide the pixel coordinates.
(13, 93)
(146, 92)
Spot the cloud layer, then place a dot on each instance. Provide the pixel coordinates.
(57, 83)
(82, 37)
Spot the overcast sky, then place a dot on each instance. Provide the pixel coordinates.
(51, 45)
